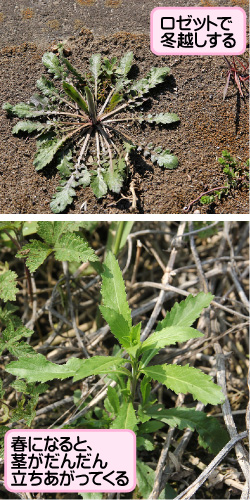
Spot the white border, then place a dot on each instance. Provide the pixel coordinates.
(125, 217)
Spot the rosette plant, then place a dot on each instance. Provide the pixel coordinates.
(79, 121)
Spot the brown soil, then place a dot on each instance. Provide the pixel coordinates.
(208, 125)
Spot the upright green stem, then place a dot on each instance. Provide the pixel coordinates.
(134, 380)
(118, 237)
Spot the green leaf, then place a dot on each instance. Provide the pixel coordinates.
(114, 180)
(119, 326)
(150, 426)
(156, 76)
(186, 379)
(74, 248)
(97, 365)
(113, 289)
(65, 165)
(212, 434)
(98, 185)
(91, 103)
(145, 480)
(8, 288)
(113, 399)
(11, 335)
(46, 152)
(125, 64)
(147, 356)
(90, 496)
(21, 349)
(75, 96)
(47, 88)
(62, 198)
(7, 315)
(7, 107)
(135, 334)
(35, 254)
(165, 159)
(145, 387)
(28, 126)
(126, 418)
(52, 231)
(207, 199)
(145, 442)
(24, 110)
(169, 335)
(135, 344)
(186, 312)
(115, 99)
(72, 69)
(95, 68)
(108, 66)
(51, 62)
(39, 369)
(85, 178)
(164, 118)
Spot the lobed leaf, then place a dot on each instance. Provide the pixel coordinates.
(62, 198)
(108, 66)
(21, 349)
(11, 335)
(52, 231)
(65, 165)
(98, 185)
(47, 88)
(212, 434)
(186, 379)
(7, 107)
(125, 64)
(35, 254)
(164, 118)
(24, 110)
(74, 248)
(114, 180)
(28, 126)
(165, 159)
(145, 441)
(8, 288)
(95, 65)
(52, 63)
(46, 152)
(156, 76)
(85, 178)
